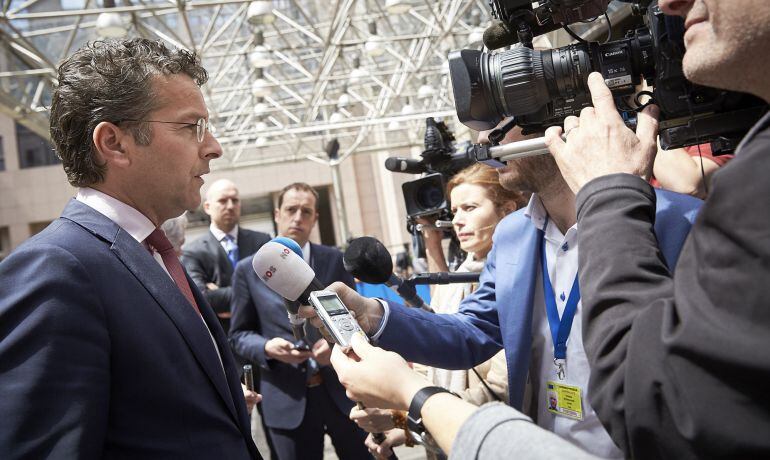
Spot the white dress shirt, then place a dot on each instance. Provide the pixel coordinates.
(562, 258)
(220, 236)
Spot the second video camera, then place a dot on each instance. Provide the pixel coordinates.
(542, 87)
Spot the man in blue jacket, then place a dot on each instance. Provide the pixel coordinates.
(527, 301)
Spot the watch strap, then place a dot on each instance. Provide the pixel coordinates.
(414, 416)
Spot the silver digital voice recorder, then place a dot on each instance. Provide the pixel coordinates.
(335, 316)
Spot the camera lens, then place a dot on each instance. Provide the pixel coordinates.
(521, 81)
(429, 196)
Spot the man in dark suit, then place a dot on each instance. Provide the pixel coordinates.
(211, 258)
(302, 397)
(107, 349)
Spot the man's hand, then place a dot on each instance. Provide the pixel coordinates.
(211, 286)
(376, 377)
(372, 420)
(598, 143)
(368, 312)
(322, 352)
(285, 351)
(384, 450)
(252, 398)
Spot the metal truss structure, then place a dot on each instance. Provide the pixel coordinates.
(280, 87)
(345, 69)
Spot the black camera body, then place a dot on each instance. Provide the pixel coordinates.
(519, 20)
(542, 87)
(440, 160)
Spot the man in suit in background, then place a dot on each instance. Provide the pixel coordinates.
(107, 349)
(302, 397)
(211, 258)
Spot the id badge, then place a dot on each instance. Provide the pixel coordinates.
(564, 400)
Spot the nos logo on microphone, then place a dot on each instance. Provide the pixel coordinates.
(269, 273)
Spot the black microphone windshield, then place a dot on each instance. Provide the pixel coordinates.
(368, 260)
(498, 35)
(404, 165)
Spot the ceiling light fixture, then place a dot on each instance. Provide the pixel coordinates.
(109, 24)
(374, 45)
(260, 12)
(260, 87)
(426, 91)
(357, 75)
(344, 100)
(397, 6)
(476, 36)
(260, 57)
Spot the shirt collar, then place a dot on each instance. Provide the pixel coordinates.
(219, 234)
(128, 218)
(537, 213)
(306, 252)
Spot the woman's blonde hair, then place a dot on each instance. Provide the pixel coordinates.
(505, 201)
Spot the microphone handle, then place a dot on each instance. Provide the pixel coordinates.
(378, 437)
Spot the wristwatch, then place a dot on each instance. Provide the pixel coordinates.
(414, 416)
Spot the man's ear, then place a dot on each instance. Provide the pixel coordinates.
(110, 142)
(276, 213)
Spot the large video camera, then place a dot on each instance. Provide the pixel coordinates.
(441, 159)
(539, 88)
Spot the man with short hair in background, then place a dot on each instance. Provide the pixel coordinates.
(211, 258)
(303, 398)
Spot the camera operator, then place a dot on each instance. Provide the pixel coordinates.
(508, 310)
(677, 360)
(478, 204)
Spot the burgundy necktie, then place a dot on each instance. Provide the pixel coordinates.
(158, 240)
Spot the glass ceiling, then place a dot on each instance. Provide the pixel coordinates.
(282, 83)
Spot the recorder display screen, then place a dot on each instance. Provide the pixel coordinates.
(332, 305)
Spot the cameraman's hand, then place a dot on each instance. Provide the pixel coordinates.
(376, 377)
(434, 252)
(372, 420)
(384, 450)
(285, 351)
(368, 312)
(599, 143)
(431, 236)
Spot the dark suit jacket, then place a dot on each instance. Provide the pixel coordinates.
(259, 315)
(680, 364)
(102, 356)
(206, 262)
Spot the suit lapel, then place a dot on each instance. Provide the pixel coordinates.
(319, 264)
(221, 256)
(163, 289)
(245, 243)
(516, 277)
(233, 382)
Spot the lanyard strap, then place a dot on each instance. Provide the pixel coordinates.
(560, 329)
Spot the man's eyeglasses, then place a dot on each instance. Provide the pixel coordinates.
(201, 126)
